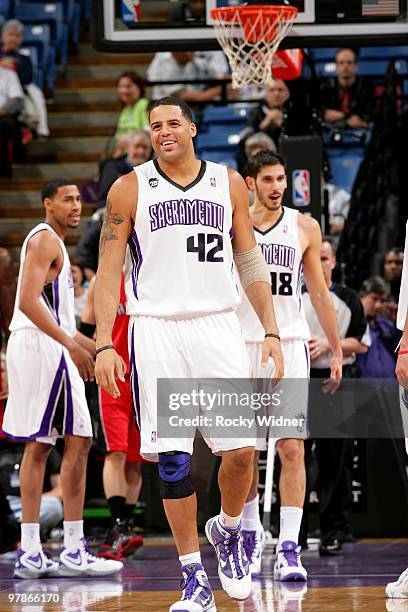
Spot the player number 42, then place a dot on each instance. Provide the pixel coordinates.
(199, 244)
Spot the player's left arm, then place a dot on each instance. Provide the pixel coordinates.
(246, 250)
(320, 297)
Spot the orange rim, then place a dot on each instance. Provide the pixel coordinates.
(228, 13)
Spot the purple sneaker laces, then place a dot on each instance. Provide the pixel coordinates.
(231, 548)
(190, 582)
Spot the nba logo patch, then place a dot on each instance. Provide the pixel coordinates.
(153, 182)
(153, 437)
(213, 182)
(301, 187)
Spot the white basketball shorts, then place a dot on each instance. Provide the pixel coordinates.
(290, 409)
(46, 394)
(204, 347)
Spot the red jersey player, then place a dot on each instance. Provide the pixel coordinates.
(122, 479)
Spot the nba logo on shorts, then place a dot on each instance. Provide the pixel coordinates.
(301, 187)
(153, 436)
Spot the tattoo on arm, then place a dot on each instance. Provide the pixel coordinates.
(109, 231)
(252, 226)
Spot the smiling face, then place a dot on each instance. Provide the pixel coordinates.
(171, 133)
(65, 206)
(269, 186)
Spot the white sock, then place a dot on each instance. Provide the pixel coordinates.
(73, 532)
(30, 537)
(194, 557)
(231, 522)
(250, 517)
(290, 519)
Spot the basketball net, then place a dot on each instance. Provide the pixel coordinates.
(250, 36)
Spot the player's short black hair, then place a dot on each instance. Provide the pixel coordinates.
(172, 101)
(262, 159)
(50, 189)
(375, 284)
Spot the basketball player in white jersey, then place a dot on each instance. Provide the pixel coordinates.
(46, 358)
(399, 588)
(178, 215)
(290, 243)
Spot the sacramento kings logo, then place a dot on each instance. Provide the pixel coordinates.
(153, 182)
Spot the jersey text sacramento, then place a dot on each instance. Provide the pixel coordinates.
(279, 255)
(186, 212)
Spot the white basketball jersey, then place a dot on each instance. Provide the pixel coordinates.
(282, 250)
(403, 296)
(179, 260)
(57, 297)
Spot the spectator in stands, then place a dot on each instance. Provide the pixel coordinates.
(190, 10)
(380, 359)
(11, 104)
(348, 100)
(139, 150)
(335, 455)
(285, 109)
(51, 509)
(182, 66)
(80, 288)
(393, 270)
(253, 144)
(339, 206)
(12, 39)
(133, 116)
(259, 142)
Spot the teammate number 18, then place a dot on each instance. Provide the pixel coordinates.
(285, 283)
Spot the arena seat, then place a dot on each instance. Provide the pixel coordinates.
(5, 10)
(51, 13)
(344, 170)
(219, 157)
(38, 35)
(384, 52)
(232, 113)
(217, 141)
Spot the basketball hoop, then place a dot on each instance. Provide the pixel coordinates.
(250, 36)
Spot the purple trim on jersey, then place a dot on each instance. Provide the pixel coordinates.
(230, 233)
(137, 260)
(55, 286)
(307, 359)
(134, 380)
(69, 408)
(298, 287)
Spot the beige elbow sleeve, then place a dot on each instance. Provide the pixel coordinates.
(252, 267)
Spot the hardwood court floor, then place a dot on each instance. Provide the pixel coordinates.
(350, 582)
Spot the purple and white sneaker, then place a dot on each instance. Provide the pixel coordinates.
(197, 595)
(81, 562)
(33, 564)
(233, 565)
(288, 565)
(254, 543)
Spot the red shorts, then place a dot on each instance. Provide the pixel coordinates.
(119, 423)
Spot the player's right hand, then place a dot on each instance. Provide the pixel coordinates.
(108, 367)
(83, 361)
(401, 370)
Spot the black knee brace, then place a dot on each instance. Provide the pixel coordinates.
(174, 472)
